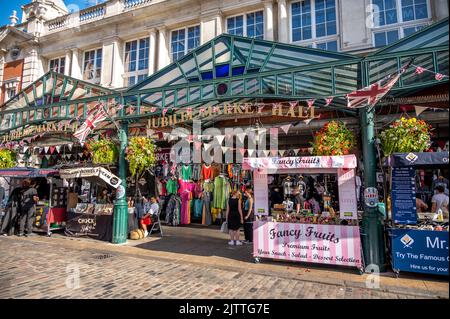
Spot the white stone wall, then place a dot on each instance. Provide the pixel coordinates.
(156, 19)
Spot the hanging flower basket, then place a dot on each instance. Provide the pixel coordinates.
(103, 151)
(333, 139)
(406, 135)
(140, 154)
(7, 158)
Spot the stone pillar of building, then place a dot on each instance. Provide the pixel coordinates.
(112, 63)
(30, 66)
(152, 52)
(268, 20)
(282, 22)
(2, 68)
(67, 61)
(76, 67)
(163, 51)
(210, 26)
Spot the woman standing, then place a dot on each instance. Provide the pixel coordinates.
(234, 217)
(248, 216)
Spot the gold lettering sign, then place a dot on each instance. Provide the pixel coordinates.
(182, 116)
(36, 129)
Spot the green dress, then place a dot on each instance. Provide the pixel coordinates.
(221, 192)
(186, 173)
(172, 186)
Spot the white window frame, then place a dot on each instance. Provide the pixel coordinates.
(136, 73)
(244, 21)
(94, 80)
(59, 63)
(400, 25)
(314, 39)
(8, 92)
(186, 49)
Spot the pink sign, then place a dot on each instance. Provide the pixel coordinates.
(261, 194)
(345, 161)
(324, 244)
(347, 194)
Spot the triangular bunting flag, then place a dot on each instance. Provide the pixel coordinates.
(46, 149)
(438, 76)
(25, 148)
(47, 157)
(207, 146)
(419, 109)
(296, 150)
(307, 121)
(70, 146)
(250, 152)
(241, 137)
(225, 149)
(310, 102)
(286, 128)
(266, 153)
(80, 155)
(164, 111)
(220, 138)
(328, 100)
(282, 152)
(242, 151)
(274, 152)
(293, 104)
(58, 149)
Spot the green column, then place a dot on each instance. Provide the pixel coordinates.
(120, 224)
(372, 223)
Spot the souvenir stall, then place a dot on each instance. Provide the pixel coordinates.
(87, 219)
(51, 207)
(418, 237)
(328, 236)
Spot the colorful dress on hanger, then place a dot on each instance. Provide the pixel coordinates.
(186, 191)
(172, 186)
(186, 172)
(221, 192)
(206, 172)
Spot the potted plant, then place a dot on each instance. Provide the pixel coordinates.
(406, 135)
(333, 139)
(7, 158)
(140, 155)
(103, 151)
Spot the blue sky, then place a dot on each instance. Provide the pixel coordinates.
(7, 6)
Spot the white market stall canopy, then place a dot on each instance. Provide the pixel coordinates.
(89, 172)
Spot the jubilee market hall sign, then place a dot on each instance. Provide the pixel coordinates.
(294, 111)
(39, 129)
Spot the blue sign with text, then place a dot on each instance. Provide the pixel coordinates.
(403, 196)
(424, 251)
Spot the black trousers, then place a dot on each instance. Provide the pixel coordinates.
(27, 216)
(248, 231)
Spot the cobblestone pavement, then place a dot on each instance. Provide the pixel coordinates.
(46, 268)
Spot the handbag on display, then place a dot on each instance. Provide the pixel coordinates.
(224, 227)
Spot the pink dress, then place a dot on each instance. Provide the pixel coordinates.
(185, 191)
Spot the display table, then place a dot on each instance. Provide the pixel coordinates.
(48, 216)
(93, 226)
(313, 243)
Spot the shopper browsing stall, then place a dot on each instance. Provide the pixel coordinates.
(29, 199)
(248, 216)
(440, 201)
(234, 217)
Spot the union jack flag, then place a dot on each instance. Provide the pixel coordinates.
(371, 94)
(89, 125)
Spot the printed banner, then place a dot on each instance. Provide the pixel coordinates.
(404, 196)
(348, 208)
(101, 172)
(90, 225)
(261, 194)
(346, 161)
(324, 244)
(423, 251)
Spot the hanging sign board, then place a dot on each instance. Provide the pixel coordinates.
(403, 196)
(100, 172)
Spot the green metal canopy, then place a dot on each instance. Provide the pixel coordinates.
(237, 69)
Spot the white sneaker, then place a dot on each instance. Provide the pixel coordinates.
(231, 243)
(238, 243)
(146, 234)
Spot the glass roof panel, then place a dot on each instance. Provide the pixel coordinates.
(222, 51)
(204, 58)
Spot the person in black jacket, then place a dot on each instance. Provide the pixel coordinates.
(12, 211)
(29, 199)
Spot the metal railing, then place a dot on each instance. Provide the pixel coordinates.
(93, 12)
(134, 3)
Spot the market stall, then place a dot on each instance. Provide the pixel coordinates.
(330, 236)
(419, 240)
(51, 207)
(88, 219)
